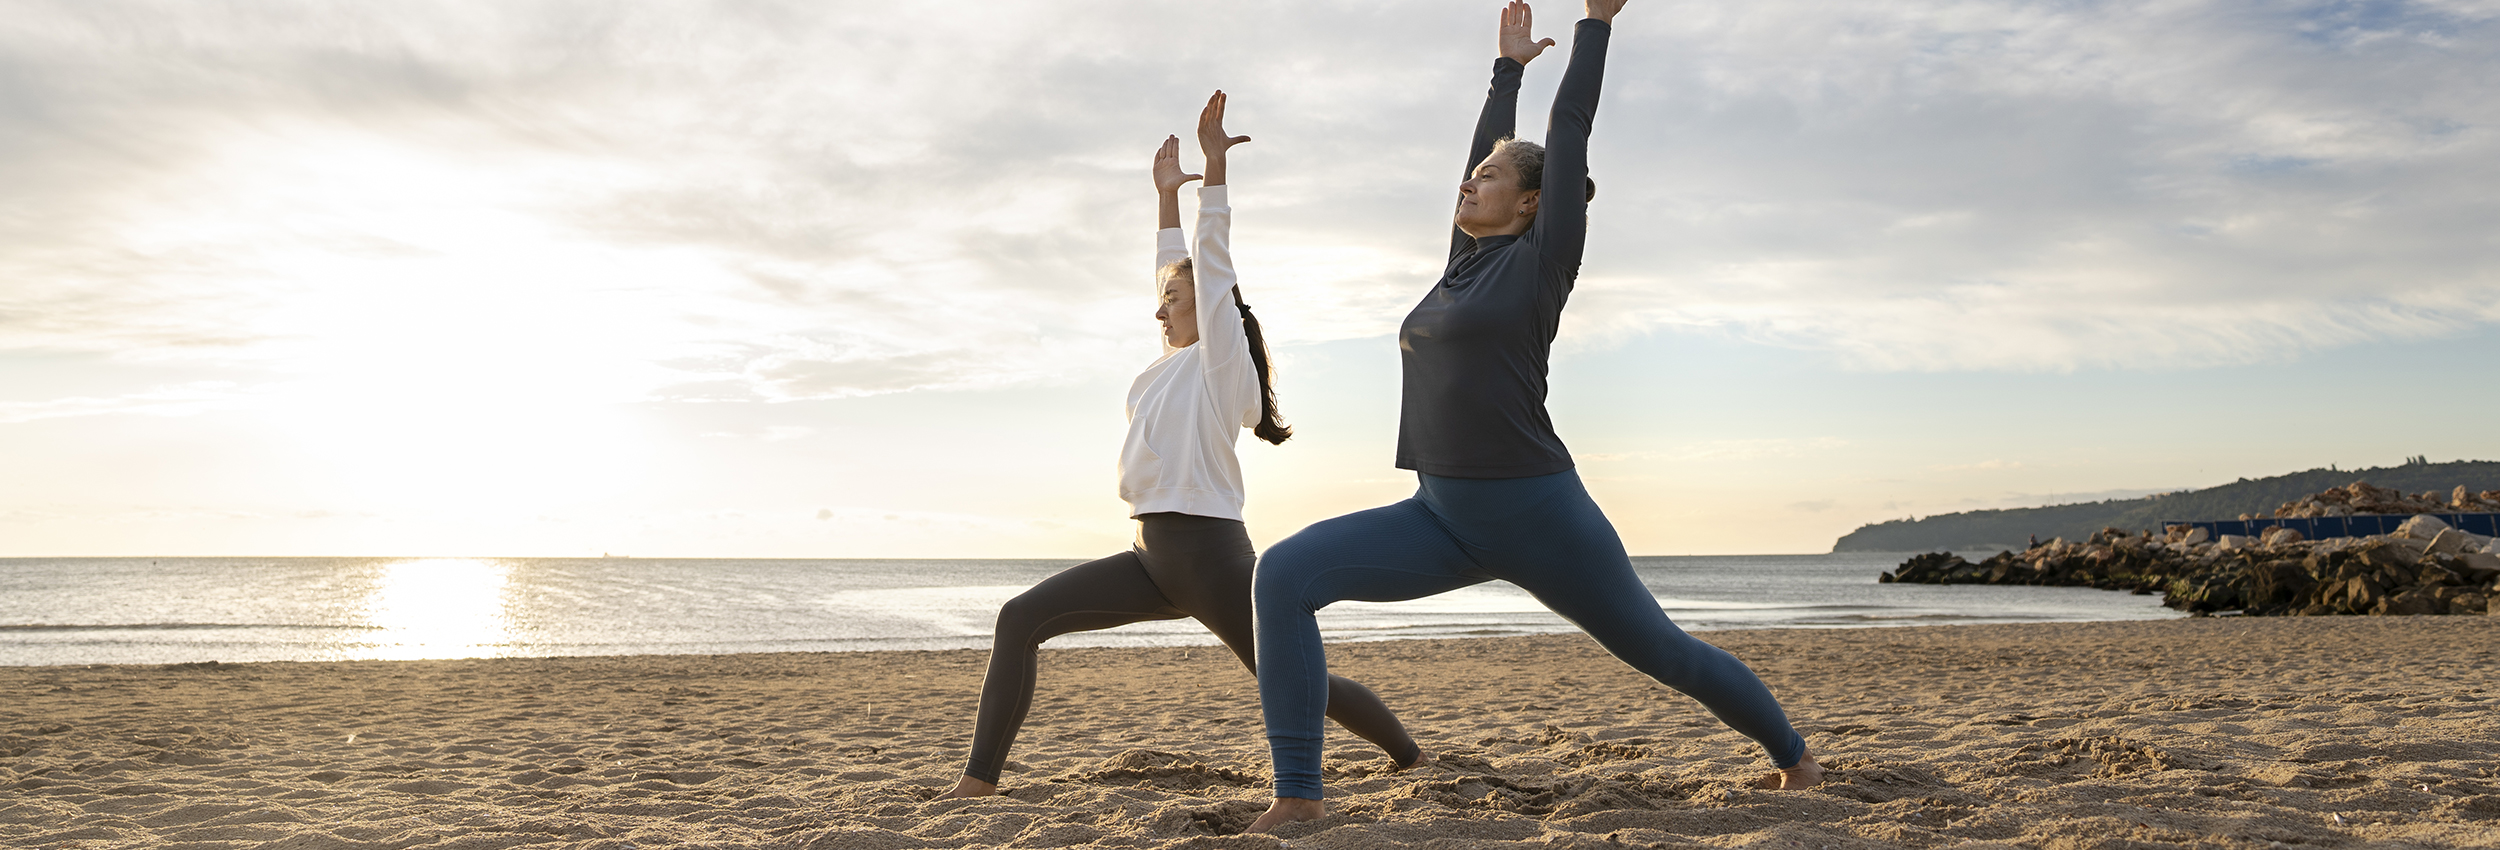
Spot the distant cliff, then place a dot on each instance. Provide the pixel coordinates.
(2011, 528)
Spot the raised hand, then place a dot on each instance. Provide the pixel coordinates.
(1603, 10)
(1211, 138)
(1517, 45)
(1167, 170)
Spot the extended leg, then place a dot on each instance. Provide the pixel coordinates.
(1567, 554)
(1100, 594)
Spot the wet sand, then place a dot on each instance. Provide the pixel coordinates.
(2314, 732)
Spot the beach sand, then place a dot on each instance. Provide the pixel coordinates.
(2234, 732)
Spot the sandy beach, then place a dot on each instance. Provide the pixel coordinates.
(2231, 732)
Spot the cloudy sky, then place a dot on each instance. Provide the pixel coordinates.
(849, 280)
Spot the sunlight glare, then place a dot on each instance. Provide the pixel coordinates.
(440, 608)
(454, 335)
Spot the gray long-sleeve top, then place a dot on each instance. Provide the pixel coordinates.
(1474, 351)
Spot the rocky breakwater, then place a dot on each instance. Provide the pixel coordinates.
(2360, 498)
(2425, 567)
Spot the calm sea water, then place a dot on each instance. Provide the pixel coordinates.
(168, 610)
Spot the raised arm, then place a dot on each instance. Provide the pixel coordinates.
(1500, 117)
(1211, 139)
(1169, 246)
(1224, 345)
(1562, 224)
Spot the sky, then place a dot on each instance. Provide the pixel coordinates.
(807, 279)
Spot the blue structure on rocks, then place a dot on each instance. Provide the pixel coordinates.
(2320, 528)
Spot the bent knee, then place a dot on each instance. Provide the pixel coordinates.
(1282, 573)
(1289, 561)
(1023, 616)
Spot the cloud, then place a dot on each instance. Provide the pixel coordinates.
(643, 198)
(184, 400)
(1990, 464)
(768, 434)
(1725, 450)
(2016, 186)
(778, 201)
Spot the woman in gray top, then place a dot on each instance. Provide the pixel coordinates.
(1496, 494)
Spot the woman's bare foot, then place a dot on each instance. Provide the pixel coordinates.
(1288, 810)
(1420, 758)
(969, 787)
(1806, 774)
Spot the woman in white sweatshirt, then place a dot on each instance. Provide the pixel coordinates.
(1192, 557)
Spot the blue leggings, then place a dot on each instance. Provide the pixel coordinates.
(1543, 534)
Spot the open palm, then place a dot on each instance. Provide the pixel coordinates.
(1168, 174)
(1517, 44)
(1211, 138)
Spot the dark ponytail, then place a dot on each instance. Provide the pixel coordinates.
(1270, 428)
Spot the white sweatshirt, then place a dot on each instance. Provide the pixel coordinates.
(1186, 411)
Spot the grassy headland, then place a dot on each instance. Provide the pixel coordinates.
(2011, 528)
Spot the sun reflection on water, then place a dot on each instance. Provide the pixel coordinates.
(440, 608)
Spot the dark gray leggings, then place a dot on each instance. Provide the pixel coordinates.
(1182, 566)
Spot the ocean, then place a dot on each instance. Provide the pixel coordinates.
(174, 610)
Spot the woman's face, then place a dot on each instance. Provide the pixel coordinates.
(1491, 203)
(1178, 310)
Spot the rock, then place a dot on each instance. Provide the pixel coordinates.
(2196, 536)
(1930, 568)
(2202, 595)
(2388, 554)
(2388, 574)
(2396, 578)
(2320, 564)
(2459, 600)
(2279, 535)
(2412, 603)
(2350, 567)
(2484, 563)
(2277, 582)
(2449, 541)
(2422, 527)
(2434, 575)
(2357, 595)
(2362, 498)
